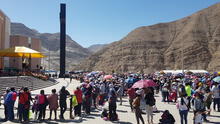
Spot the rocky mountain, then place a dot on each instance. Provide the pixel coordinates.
(193, 40)
(50, 46)
(96, 47)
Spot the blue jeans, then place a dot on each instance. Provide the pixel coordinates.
(10, 110)
(183, 115)
(22, 112)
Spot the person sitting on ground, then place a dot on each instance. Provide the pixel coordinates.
(198, 118)
(104, 114)
(167, 118)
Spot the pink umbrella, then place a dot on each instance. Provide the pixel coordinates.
(107, 76)
(144, 84)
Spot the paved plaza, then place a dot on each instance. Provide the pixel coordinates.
(124, 112)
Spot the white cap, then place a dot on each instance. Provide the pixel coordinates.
(138, 92)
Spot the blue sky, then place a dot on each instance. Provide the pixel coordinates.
(99, 21)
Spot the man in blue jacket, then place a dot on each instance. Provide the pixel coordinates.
(9, 102)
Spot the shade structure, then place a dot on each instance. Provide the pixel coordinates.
(144, 84)
(20, 51)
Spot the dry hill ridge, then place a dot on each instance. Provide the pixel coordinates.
(157, 47)
(51, 42)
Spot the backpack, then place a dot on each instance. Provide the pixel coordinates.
(41, 99)
(152, 101)
(14, 96)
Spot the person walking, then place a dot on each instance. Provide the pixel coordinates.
(136, 106)
(63, 105)
(9, 102)
(165, 93)
(120, 93)
(77, 108)
(53, 103)
(182, 105)
(150, 102)
(131, 96)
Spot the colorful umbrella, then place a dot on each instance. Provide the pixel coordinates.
(107, 76)
(144, 84)
(217, 79)
(129, 80)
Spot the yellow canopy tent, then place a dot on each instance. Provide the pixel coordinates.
(20, 51)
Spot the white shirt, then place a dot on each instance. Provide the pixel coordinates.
(102, 89)
(182, 107)
(215, 91)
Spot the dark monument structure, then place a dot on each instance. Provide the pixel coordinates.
(62, 40)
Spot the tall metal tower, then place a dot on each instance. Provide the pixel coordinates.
(62, 39)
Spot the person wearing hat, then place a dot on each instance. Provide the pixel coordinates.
(136, 107)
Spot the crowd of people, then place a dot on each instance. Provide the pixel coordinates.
(190, 92)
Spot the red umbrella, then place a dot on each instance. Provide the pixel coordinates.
(144, 84)
(107, 76)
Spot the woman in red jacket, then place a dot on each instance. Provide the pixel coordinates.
(77, 109)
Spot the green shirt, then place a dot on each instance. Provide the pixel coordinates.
(188, 90)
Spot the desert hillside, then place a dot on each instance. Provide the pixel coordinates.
(160, 46)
